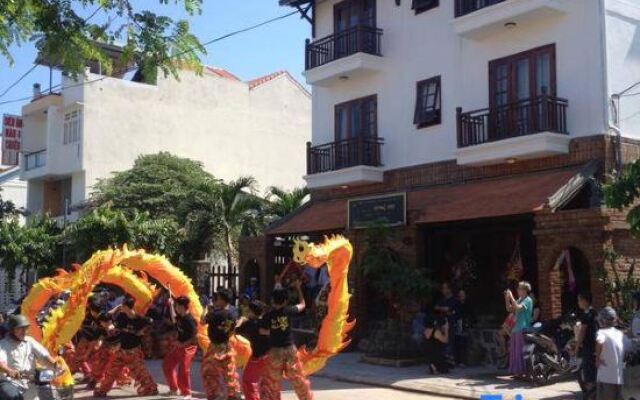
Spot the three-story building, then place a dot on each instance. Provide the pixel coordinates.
(480, 130)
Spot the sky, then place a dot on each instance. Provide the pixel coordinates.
(270, 48)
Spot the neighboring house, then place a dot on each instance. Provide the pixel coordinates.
(14, 190)
(102, 124)
(481, 130)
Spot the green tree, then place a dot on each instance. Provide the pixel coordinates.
(7, 209)
(33, 246)
(61, 34)
(623, 192)
(105, 227)
(282, 202)
(160, 184)
(224, 212)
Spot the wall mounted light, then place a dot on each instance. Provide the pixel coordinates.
(510, 25)
(398, 3)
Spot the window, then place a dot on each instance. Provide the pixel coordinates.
(72, 127)
(351, 13)
(428, 103)
(357, 118)
(421, 6)
(522, 76)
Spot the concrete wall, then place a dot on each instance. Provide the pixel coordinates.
(622, 19)
(233, 130)
(416, 47)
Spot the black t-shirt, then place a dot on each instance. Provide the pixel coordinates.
(221, 326)
(89, 328)
(129, 330)
(589, 319)
(186, 327)
(279, 325)
(251, 331)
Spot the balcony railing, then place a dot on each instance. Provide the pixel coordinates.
(525, 117)
(344, 154)
(35, 160)
(464, 7)
(359, 39)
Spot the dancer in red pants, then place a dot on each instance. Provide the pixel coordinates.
(282, 358)
(250, 329)
(129, 355)
(177, 363)
(219, 374)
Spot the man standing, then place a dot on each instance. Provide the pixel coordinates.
(611, 344)
(586, 347)
(447, 307)
(18, 356)
(177, 364)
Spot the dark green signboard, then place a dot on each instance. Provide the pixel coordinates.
(389, 210)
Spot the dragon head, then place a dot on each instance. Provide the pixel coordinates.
(301, 249)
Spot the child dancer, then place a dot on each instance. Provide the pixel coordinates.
(250, 328)
(177, 363)
(218, 364)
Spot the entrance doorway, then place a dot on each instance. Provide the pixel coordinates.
(575, 277)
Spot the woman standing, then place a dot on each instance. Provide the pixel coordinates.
(523, 310)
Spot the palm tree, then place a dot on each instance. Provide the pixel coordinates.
(283, 203)
(224, 211)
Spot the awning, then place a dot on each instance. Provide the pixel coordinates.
(486, 198)
(523, 194)
(313, 217)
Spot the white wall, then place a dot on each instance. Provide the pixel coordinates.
(623, 55)
(234, 131)
(416, 47)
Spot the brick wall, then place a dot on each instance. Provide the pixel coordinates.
(583, 230)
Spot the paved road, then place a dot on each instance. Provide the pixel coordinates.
(324, 389)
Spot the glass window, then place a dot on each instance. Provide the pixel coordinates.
(428, 103)
(424, 5)
(72, 127)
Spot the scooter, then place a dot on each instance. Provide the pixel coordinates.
(41, 387)
(548, 349)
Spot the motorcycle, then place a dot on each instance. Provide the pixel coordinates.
(40, 386)
(550, 349)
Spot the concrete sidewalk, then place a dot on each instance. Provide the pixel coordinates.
(465, 383)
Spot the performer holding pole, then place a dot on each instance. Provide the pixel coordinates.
(219, 374)
(177, 363)
(282, 359)
(131, 327)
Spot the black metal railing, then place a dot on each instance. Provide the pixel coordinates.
(464, 7)
(359, 39)
(344, 154)
(525, 117)
(35, 160)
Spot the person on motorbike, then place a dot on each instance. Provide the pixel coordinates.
(586, 346)
(18, 356)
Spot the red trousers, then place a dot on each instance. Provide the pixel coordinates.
(177, 368)
(284, 361)
(84, 352)
(134, 360)
(101, 361)
(252, 377)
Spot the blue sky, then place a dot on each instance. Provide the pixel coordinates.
(273, 47)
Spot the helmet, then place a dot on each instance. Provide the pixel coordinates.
(17, 321)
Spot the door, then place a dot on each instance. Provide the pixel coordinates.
(516, 84)
(355, 128)
(348, 16)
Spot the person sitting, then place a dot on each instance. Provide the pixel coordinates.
(18, 356)
(436, 333)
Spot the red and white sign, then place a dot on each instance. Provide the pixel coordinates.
(11, 134)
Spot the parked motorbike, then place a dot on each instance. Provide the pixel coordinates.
(548, 349)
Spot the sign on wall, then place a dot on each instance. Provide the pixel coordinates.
(11, 134)
(388, 210)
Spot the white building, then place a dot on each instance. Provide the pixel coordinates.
(480, 128)
(13, 189)
(87, 131)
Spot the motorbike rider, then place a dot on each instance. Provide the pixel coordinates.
(18, 356)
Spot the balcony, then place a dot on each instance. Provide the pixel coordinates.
(478, 19)
(346, 162)
(37, 159)
(530, 128)
(350, 52)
